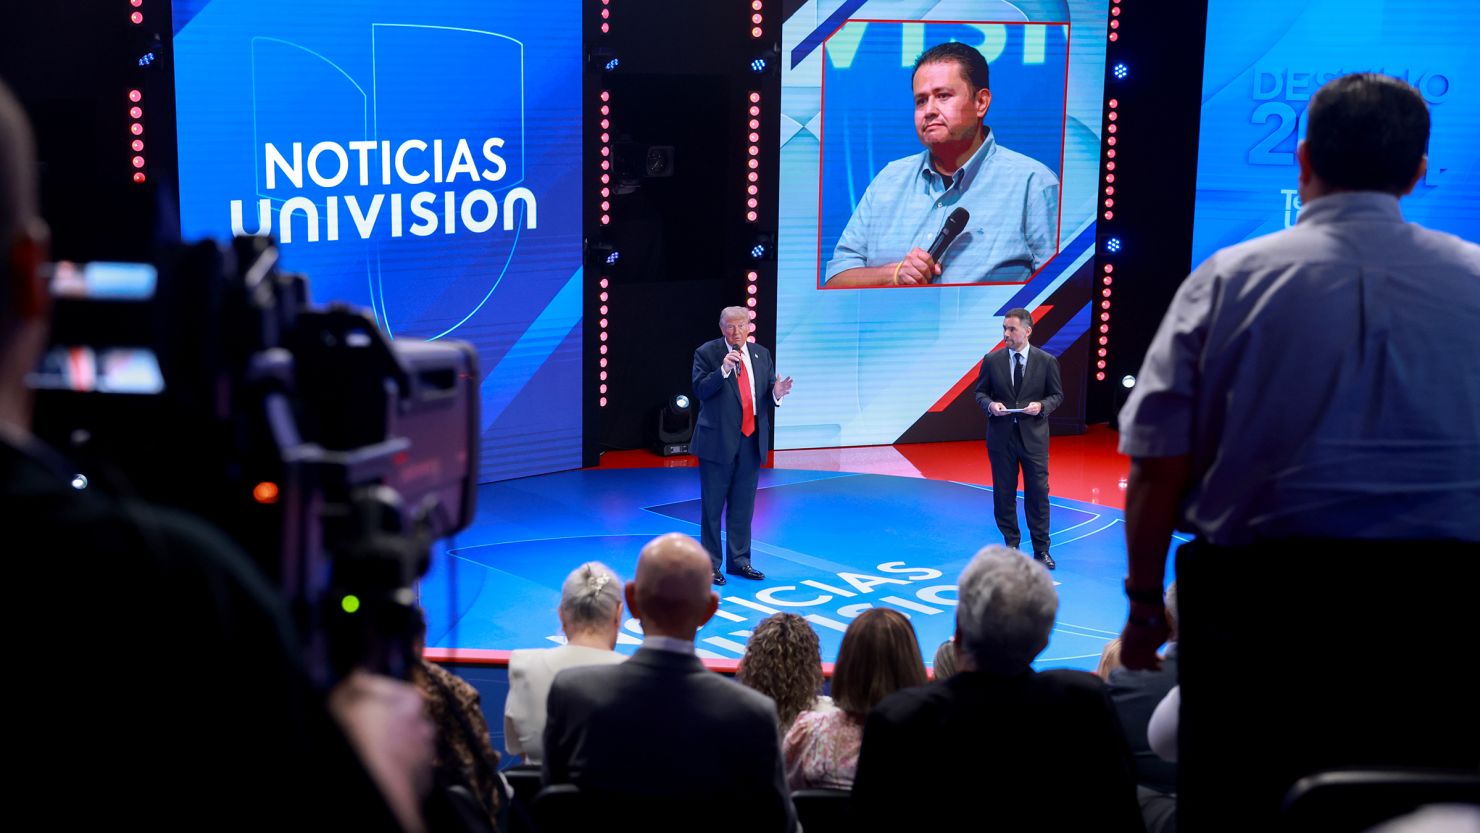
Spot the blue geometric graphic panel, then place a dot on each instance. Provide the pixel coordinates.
(388, 148)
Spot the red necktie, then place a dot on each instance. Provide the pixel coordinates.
(747, 401)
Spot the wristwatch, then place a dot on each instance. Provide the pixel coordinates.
(1147, 597)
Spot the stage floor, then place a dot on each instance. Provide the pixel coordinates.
(831, 543)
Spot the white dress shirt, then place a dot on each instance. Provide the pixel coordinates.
(1010, 361)
(750, 374)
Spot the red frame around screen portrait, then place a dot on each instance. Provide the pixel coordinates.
(822, 147)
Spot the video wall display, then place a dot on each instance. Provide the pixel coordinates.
(1266, 58)
(877, 350)
(421, 161)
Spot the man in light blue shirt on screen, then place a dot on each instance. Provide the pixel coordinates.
(1013, 199)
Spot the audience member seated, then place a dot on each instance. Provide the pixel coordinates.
(784, 662)
(1161, 730)
(465, 755)
(1109, 659)
(1030, 750)
(660, 731)
(167, 690)
(944, 666)
(591, 616)
(1136, 695)
(879, 656)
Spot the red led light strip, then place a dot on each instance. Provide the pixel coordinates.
(136, 133)
(1112, 117)
(752, 161)
(752, 188)
(604, 297)
(604, 191)
(136, 111)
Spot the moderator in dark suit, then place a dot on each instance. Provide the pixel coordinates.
(1031, 751)
(660, 725)
(729, 461)
(1019, 441)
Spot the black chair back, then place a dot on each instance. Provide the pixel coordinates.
(524, 784)
(824, 811)
(562, 807)
(565, 808)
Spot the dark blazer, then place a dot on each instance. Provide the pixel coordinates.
(717, 431)
(661, 725)
(1036, 751)
(1040, 384)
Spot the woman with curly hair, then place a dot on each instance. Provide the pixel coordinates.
(879, 656)
(784, 662)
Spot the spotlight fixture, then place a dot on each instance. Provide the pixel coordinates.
(1120, 71)
(1112, 245)
(674, 425)
(758, 65)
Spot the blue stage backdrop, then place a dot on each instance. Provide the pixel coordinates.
(884, 365)
(420, 160)
(1265, 58)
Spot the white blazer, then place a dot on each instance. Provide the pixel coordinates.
(531, 671)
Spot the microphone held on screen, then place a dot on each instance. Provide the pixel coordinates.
(948, 233)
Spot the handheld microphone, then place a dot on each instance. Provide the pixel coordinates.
(948, 232)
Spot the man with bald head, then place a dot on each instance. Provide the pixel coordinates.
(660, 729)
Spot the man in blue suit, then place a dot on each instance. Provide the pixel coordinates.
(737, 388)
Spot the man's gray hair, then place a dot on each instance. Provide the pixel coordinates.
(733, 312)
(590, 597)
(1006, 610)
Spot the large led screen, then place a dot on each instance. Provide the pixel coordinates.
(1265, 58)
(880, 363)
(420, 160)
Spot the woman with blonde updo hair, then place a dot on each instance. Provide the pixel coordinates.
(784, 662)
(591, 616)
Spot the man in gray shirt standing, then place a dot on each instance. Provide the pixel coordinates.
(1322, 382)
